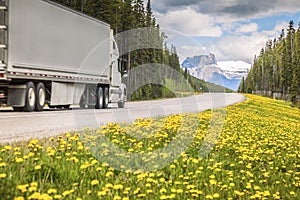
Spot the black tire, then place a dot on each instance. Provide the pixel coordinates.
(40, 96)
(82, 102)
(82, 105)
(18, 109)
(62, 106)
(105, 97)
(67, 106)
(100, 98)
(30, 97)
(121, 104)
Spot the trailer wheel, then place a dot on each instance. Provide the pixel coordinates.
(30, 97)
(18, 109)
(82, 102)
(99, 103)
(105, 97)
(82, 105)
(67, 106)
(41, 96)
(121, 104)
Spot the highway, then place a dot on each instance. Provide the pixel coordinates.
(20, 126)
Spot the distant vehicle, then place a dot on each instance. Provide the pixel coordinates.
(50, 54)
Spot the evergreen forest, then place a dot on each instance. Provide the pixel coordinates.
(276, 71)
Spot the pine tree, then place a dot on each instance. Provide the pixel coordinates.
(294, 89)
(242, 87)
(289, 53)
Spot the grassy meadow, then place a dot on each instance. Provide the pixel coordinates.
(257, 156)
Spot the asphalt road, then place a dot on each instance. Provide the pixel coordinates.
(19, 126)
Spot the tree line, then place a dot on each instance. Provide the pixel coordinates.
(276, 71)
(127, 15)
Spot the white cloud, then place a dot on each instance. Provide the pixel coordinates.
(189, 22)
(247, 28)
(235, 36)
(232, 47)
(243, 47)
(232, 9)
(185, 51)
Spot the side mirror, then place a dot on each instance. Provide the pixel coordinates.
(123, 66)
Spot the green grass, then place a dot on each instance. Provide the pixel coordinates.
(255, 157)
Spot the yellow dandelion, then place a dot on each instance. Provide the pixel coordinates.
(136, 191)
(19, 198)
(35, 195)
(162, 180)
(163, 190)
(57, 196)
(172, 166)
(7, 148)
(32, 189)
(149, 191)
(23, 188)
(109, 174)
(94, 182)
(101, 193)
(118, 187)
(117, 198)
(109, 185)
(19, 160)
(3, 175)
(52, 191)
(266, 193)
(38, 167)
(179, 191)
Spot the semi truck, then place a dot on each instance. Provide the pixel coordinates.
(53, 55)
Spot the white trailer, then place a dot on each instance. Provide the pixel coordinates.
(50, 54)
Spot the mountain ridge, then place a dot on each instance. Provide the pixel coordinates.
(225, 73)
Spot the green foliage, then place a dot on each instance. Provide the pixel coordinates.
(277, 68)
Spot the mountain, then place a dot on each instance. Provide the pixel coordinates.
(225, 73)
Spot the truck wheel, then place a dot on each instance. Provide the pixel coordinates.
(105, 97)
(66, 106)
(99, 103)
(18, 109)
(82, 102)
(41, 96)
(82, 105)
(30, 97)
(121, 104)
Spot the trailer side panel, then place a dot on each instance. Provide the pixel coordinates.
(46, 37)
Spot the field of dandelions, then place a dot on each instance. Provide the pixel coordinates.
(257, 156)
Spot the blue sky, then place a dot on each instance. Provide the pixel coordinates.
(232, 29)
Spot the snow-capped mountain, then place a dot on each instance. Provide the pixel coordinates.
(226, 73)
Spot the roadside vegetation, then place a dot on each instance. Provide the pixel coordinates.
(276, 70)
(257, 156)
